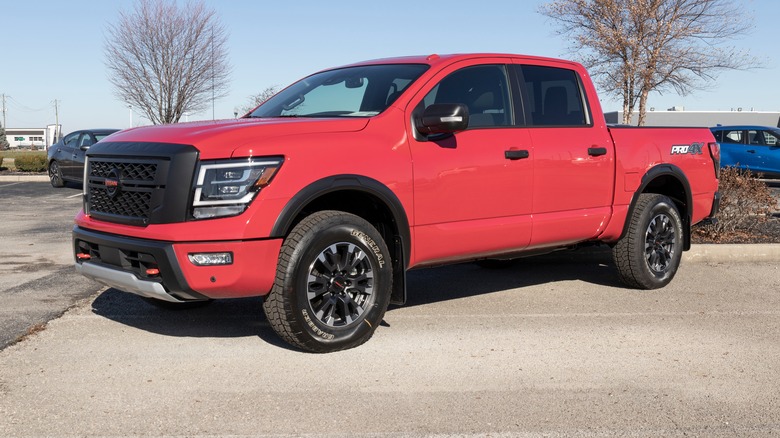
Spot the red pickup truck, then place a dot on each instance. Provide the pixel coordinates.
(324, 196)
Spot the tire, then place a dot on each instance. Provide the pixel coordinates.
(648, 255)
(55, 175)
(333, 283)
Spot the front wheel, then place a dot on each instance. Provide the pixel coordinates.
(55, 175)
(648, 255)
(333, 283)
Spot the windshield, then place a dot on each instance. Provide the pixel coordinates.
(347, 92)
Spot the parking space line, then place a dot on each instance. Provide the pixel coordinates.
(73, 196)
(12, 184)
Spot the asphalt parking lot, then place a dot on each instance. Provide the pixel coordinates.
(37, 281)
(552, 346)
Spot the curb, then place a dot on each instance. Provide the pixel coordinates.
(24, 178)
(725, 252)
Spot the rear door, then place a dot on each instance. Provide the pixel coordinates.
(573, 156)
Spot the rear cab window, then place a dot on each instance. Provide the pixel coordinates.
(552, 96)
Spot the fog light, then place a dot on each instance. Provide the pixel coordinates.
(211, 258)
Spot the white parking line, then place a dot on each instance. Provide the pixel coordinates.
(12, 184)
(73, 196)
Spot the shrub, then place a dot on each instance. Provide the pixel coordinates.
(1, 161)
(746, 203)
(31, 163)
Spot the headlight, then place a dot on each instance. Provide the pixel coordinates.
(225, 188)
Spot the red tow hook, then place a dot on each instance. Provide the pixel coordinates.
(152, 272)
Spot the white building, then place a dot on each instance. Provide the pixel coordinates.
(33, 138)
(679, 117)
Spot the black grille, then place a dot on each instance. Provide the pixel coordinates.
(138, 183)
(126, 203)
(131, 171)
(122, 189)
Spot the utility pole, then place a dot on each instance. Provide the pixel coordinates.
(4, 125)
(56, 121)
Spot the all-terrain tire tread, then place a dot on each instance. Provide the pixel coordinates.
(274, 304)
(277, 309)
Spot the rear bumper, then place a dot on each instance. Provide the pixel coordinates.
(162, 270)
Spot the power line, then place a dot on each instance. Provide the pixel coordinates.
(22, 107)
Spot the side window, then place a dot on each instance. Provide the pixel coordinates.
(770, 138)
(755, 137)
(86, 140)
(483, 89)
(70, 139)
(732, 137)
(553, 97)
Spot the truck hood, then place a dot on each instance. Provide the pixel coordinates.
(218, 139)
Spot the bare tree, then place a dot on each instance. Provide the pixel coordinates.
(633, 48)
(256, 99)
(166, 60)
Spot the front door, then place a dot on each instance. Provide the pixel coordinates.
(472, 190)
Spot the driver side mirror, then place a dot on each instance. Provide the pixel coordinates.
(443, 118)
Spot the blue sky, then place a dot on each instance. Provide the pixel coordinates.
(53, 50)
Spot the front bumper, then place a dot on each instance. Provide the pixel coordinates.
(162, 270)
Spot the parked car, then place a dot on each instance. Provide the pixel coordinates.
(752, 148)
(66, 157)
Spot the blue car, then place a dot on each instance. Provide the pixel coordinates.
(753, 148)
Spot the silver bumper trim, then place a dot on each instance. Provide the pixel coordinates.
(125, 281)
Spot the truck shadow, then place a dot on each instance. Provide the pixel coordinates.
(235, 318)
(592, 265)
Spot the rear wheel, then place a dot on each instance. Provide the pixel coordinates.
(55, 175)
(648, 255)
(333, 283)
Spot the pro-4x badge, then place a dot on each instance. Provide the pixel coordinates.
(693, 149)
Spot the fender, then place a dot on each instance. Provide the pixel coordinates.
(685, 198)
(310, 193)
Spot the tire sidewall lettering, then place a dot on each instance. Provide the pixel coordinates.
(371, 244)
